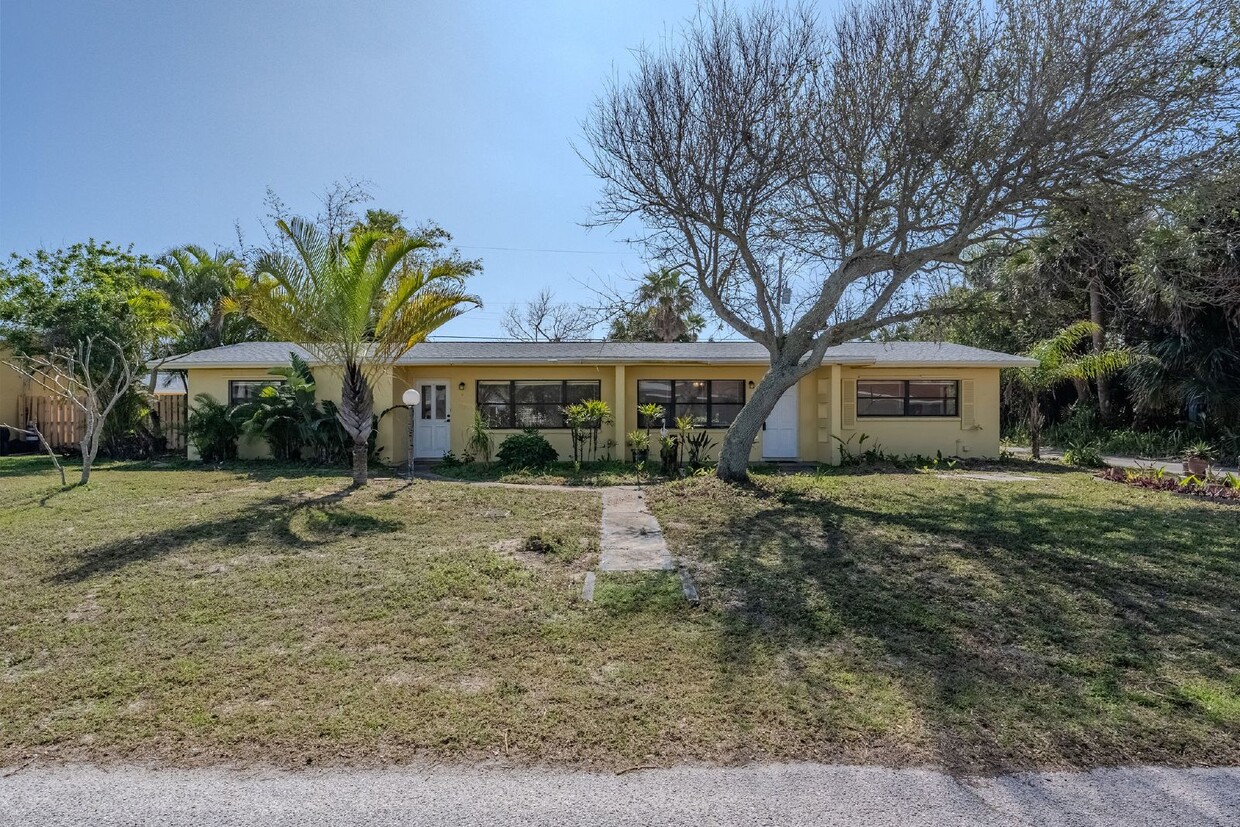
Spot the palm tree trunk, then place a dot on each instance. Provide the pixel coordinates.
(360, 456)
(356, 411)
(1098, 317)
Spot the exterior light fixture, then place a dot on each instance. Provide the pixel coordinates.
(410, 398)
(751, 384)
(461, 387)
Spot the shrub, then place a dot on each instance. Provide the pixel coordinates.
(213, 428)
(528, 449)
(1084, 454)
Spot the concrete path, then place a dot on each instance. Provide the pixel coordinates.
(790, 794)
(1172, 466)
(631, 537)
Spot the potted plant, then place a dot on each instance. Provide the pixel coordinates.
(1197, 458)
(639, 444)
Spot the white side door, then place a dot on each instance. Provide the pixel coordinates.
(779, 438)
(432, 428)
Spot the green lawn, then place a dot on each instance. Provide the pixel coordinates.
(266, 614)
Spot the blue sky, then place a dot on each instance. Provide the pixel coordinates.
(161, 123)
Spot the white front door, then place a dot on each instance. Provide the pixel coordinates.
(432, 435)
(779, 439)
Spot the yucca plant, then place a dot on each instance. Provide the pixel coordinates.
(1058, 362)
(358, 303)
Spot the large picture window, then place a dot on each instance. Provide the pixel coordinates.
(908, 397)
(241, 391)
(531, 403)
(714, 403)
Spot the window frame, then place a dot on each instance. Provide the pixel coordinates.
(708, 402)
(906, 398)
(273, 382)
(511, 404)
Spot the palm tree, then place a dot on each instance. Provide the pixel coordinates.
(663, 309)
(357, 303)
(1058, 362)
(196, 284)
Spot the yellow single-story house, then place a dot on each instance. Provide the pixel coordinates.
(907, 397)
(12, 386)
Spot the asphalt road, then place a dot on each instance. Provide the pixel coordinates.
(798, 794)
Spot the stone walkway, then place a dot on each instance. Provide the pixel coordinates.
(631, 538)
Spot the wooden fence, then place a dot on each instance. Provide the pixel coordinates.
(172, 410)
(58, 420)
(61, 422)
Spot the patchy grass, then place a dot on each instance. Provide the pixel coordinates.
(593, 474)
(1063, 622)
(267, 614)
(611, 472)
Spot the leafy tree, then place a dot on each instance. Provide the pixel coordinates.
(663, 308)
(1182, 305)
(53, 300)
(1058, 362)
(358, 303)
(873, 153)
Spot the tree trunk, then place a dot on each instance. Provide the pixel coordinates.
(90, 446)
(1098, 317)
(1035, 428)
(357, 405)
(361, 450)
(739, 439)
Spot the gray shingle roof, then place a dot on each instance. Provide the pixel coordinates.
(270, 354)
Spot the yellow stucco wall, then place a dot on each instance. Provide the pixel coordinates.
(12, 385)
(214, 381)
(818, 406)
(635, 373)
(463, 402)
(927, 435)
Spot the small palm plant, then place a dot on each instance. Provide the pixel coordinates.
(1058, 362)
(478, 440)
(285, 414)
(358, 302)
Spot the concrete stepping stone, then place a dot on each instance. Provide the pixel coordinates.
(631, 538)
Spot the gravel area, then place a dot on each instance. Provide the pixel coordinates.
(788, 794)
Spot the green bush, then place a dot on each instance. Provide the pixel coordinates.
(1084, 454)
(213, 429)
(528, 449)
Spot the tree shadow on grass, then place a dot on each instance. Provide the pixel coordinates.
(1026, 629)
(284, 522)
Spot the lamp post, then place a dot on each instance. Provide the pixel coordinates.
(411, 398)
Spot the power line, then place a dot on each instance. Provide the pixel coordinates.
(546, 250)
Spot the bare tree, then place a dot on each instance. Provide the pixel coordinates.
(545, 320)
(874, 152)
(34, 431)
(90, 381)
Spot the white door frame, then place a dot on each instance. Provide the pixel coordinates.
(782, 423)
(425, 431)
